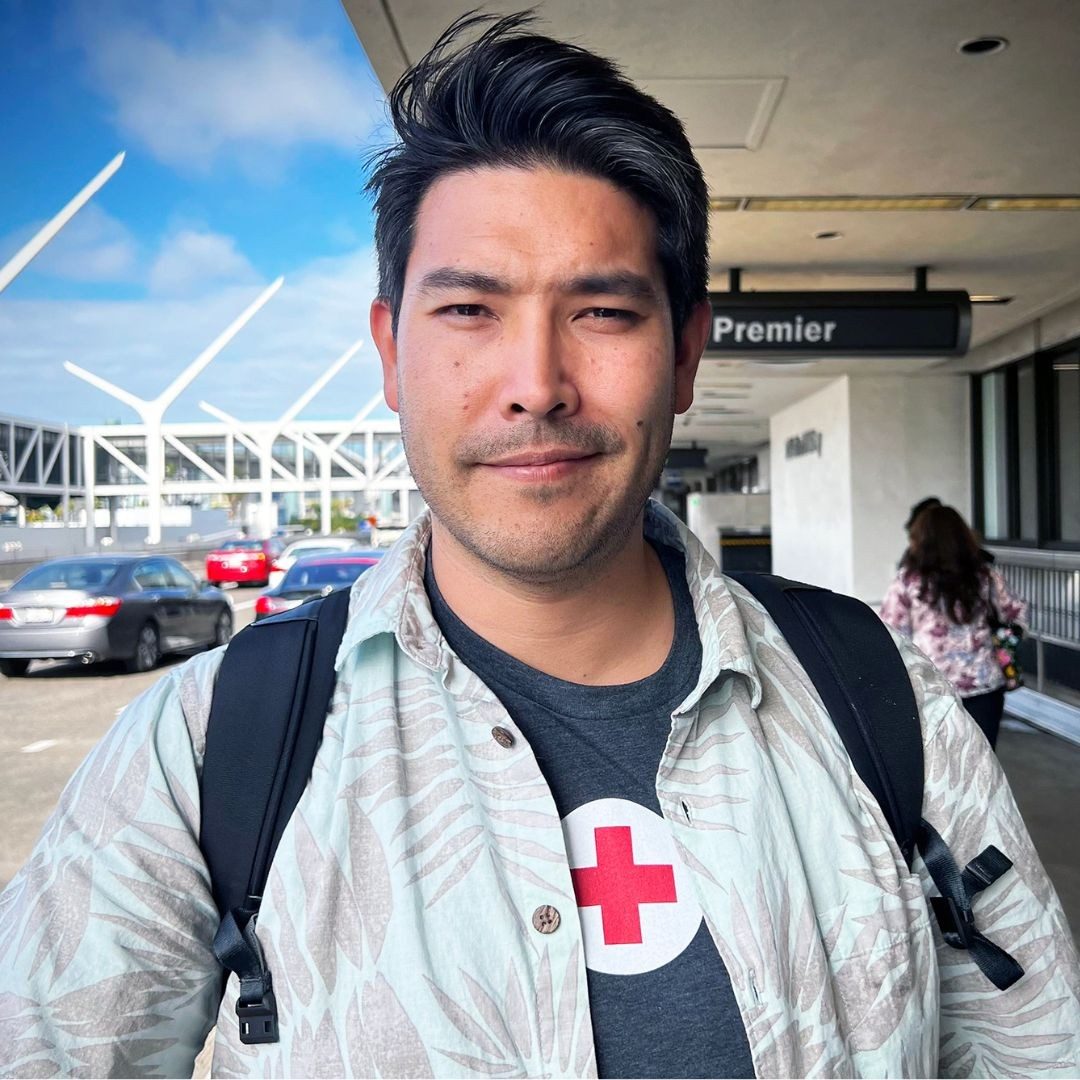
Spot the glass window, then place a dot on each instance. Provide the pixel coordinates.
(151, 575)
(1066, 371)
(82, 574)
(995, 448)
(1027, 451)
(179, 578)
(316, 574)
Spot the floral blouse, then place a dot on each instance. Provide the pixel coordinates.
(963, 652)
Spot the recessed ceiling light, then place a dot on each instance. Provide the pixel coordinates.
(990, 299)
(983, 46)
(828, 234)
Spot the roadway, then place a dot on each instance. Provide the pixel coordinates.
(49, 722)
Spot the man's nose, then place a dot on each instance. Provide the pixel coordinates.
(537, 377)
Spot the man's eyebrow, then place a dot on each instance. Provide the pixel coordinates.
(617, 283)
(448, 277)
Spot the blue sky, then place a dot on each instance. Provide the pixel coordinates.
(245, 126)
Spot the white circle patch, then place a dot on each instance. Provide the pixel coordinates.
(635, 897)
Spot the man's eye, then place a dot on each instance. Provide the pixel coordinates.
(467, 311)
(607, 314)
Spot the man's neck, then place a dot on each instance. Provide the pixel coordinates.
(611, 626)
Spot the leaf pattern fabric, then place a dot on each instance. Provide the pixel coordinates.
(397, 919)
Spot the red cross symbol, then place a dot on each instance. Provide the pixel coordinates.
(618, 886)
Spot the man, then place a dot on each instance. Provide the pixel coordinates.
(577, 809)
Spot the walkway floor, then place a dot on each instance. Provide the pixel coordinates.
(1044, 772)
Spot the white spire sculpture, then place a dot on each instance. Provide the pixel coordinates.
(152, 412)
(11, 269)
(266, 434)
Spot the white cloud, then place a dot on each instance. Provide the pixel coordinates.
(142, 345)
(194, 262)
(231, 90)
(92, 247)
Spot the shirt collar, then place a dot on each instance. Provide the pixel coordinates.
(391, 598)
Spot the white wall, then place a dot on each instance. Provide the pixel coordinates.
(910, 438)
(811, 495)
(764, 468)
(886, 443)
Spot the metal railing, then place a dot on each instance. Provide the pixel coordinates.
(1050, 583)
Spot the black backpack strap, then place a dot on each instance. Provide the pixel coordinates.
(861, 679)
(864, 685)
(266, 721)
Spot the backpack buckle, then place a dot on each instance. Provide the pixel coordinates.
(258, 1019)
(957, 923)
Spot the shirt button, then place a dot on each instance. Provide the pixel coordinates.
(546, 919)
(502, 737)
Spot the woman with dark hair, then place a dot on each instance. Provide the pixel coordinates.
(948, 599)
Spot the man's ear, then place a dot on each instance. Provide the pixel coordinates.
(382, 333)
(691, 344)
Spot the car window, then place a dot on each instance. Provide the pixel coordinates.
(305, 575)
(179, 578)
(241, 545)
(314, 549)
(152, 575)
(74, 574)
(323, 543)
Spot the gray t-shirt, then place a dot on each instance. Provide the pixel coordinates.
(660, 996)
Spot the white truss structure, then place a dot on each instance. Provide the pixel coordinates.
(154, 461)
(263, 459)
(41, 459)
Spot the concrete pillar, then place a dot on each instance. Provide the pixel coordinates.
(88, 488)
(155, 473)
(325, 501)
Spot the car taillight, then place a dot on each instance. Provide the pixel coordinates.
(267, 605)
(6, 613)
(260, 555)
(106, 606)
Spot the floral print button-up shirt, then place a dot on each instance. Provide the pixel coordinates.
(964, 653)
(397, 919)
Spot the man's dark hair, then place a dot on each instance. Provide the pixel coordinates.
(514, 98)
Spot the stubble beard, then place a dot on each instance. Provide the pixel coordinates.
(544, 547)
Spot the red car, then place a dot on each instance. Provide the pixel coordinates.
(247, 562)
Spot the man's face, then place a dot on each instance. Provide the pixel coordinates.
(534, 366)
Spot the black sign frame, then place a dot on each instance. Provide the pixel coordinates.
(790, 325)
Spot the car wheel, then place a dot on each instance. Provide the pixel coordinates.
(14, 669)
(222, 630)
(147, 650)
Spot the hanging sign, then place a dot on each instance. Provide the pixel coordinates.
(797, 324)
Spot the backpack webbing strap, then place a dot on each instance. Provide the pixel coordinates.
(861, 679)
(270, 703)
(864, 685)
(953, 909)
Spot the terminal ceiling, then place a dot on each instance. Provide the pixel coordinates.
(840, 97)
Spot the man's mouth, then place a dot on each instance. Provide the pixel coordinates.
(549, 456)
(545, 466)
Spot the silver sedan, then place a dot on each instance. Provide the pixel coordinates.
(133, 608)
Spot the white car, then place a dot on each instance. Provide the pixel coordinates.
(310, 545)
